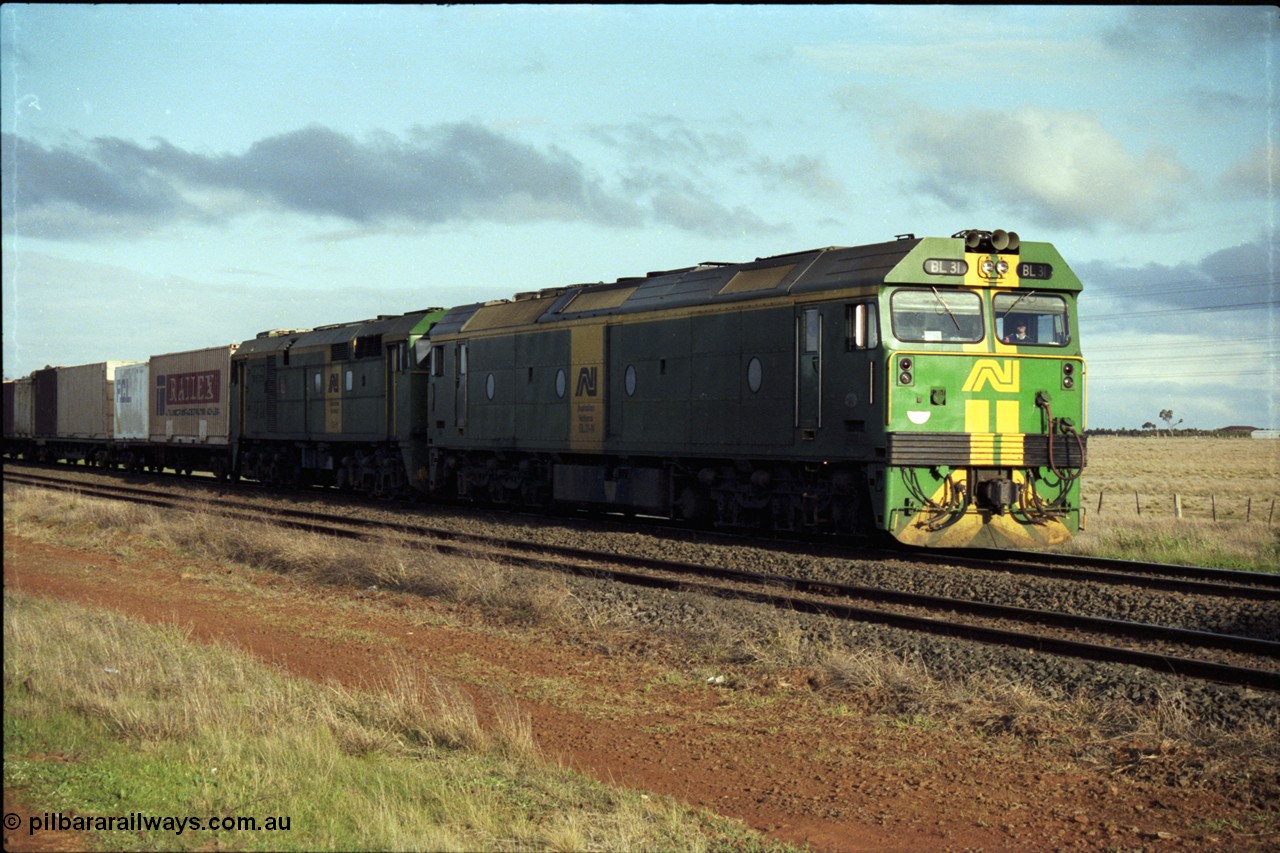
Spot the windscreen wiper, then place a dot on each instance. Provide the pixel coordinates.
(938, 296)
(1015, 303)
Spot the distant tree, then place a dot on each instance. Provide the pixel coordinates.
(1148, 425)
(1166, 415)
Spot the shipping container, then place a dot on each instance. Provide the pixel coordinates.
(44, 402)
(190, 396)
(131, 403)
(23, 409)
(86, 404)
(10, 392)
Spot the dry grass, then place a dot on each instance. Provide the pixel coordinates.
(515, 596)
(159, 725)
(1230, 472)
(1234, 474)
(1165, 736)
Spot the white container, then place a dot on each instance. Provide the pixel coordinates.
(190, 395)
(131, 402)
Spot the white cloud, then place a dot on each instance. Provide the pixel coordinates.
(1059, 168)
(1191, 34)
(1256, 175)
(810, 177)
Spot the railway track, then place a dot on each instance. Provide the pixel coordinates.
(1219, 657)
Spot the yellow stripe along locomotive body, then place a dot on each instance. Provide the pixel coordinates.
(932, 388)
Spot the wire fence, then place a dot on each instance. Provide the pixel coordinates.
(1246, 509)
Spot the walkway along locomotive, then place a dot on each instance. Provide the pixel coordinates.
(932, 388)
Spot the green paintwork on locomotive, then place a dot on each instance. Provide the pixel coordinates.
(356, 384)
(760, 364)
(995, 409)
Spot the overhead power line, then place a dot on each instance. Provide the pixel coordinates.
(1186, 309)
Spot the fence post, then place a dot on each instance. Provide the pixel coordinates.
(1177, 505)
(1099, 502)
(1137, 503)
(1213, 505)
(1271, 512)
(1248, 510)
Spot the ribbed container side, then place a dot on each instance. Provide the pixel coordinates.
(24, 422)
(10, 391)
(86, 404)
(190, 396)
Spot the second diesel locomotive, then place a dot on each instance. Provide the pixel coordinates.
(932, 388)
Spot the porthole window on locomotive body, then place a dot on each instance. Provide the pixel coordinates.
(755, 374)
(489, 386)
(631, 380)
(560, 383)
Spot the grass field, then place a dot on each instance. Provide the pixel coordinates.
(1133, 486)
(106, 716)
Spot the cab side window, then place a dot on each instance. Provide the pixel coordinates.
(862, 326)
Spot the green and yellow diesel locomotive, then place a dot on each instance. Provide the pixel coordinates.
(928, 387)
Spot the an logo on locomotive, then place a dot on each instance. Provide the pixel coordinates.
(1002, 375)
(587, 382)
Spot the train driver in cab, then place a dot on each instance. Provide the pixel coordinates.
(1019, 335)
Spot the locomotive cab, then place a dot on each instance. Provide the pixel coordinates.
(986, 399)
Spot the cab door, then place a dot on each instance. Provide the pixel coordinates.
(391, 386)
(460, 387)
(857, 369)
(808, 404)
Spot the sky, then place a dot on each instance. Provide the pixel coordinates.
(176, 177)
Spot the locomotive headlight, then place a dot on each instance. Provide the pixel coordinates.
(1068, 375)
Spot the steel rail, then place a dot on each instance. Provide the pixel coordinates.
(811, 597)
(1192, 580)
(1166, 576)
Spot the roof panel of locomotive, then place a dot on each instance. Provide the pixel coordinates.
(813, 271)
(393, 326)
